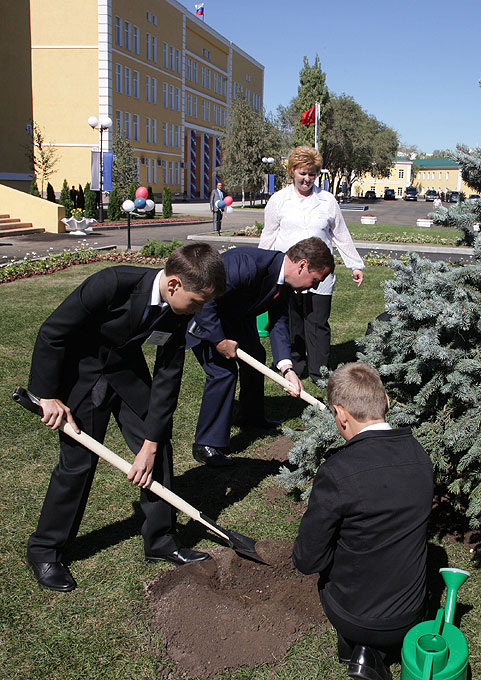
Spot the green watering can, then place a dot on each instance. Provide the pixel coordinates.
(437, 650)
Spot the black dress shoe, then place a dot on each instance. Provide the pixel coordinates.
(367, 663)
(211, 456)
(262, 423)
(52, 575)
(180, 556)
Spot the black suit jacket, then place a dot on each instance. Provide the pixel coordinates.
(97, 330)
(364, 530)
(251, 278)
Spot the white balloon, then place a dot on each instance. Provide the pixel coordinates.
(229, 209)
(128, 206)
(217, 203)
(149, 205)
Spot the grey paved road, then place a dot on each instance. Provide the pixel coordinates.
(387, 212)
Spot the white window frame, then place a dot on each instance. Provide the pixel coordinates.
(147, 130)
(147, 88)
(127, 81)
(135, 84)
(127, 35)
(154, 90)
(135, 127)
(118, 78)
(136, 39)
(127, 126)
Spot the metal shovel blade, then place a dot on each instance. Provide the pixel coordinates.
(243, 545)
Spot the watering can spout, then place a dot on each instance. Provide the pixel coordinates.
(454, 579)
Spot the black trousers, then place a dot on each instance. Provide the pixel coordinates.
(217, 219)
(71, 480)
(310, 332)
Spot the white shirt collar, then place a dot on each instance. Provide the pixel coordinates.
(155, 298)
(376, 426)
(280, 279)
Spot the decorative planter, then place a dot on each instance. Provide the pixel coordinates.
(424, 222)
(368, 219)
(78, 227)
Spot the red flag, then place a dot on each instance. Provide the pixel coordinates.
(308, 117)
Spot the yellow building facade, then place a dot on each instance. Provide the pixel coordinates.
(440, 174)
(398, 178)
(164, 77)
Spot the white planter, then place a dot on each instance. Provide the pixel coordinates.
(367, 219)
(78, 227)
(424, 222)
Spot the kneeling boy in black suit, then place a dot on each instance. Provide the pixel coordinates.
(88, 354)
(364, 530)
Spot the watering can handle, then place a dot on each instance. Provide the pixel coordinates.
(428, 668)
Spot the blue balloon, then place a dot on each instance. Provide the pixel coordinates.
(140, 202)
(221, 205)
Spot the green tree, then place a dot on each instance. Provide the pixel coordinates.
(131, 192)
(124, 169)
(90, 202)
(166, 203)
(43, 156)
(34, 188)
(50, 193)
(65, 199)
(312, 89)
(114, 211)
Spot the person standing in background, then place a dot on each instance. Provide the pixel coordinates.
(216, 196)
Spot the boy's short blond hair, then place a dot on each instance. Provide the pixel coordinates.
(303, 156)
(359, 389)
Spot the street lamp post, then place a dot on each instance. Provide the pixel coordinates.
(102, 123)
(267, 160)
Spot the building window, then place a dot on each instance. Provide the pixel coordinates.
(223, 117)
(172, 133)
(196, 72)
(149, 16)
(118, 122)
(165, 95)
(147, 88)
(400, 191)
(135, 84)
(177, 61)
(135, 127)
(195, 106)
(154, 171)
(177, 99)
(440, 175)
(147, 167)
(164, 172)
(171, 98)
(154, 131)
(189, 69)
(171, 58)
(127, 81)
(154, 19)
(127, 125)
(447, 176)
(154, 90)
(147, 45)
(224, 87)
(118, 78)
(154, 49)
(171, 172)
(204, 76)
(118, 31)
(189, 104)
(136, 39)
(401, 174)
(177, 136)
(165, 140)
(127, 31)
(165, 57)
(208, 78)
(147, 130)
(177, 173)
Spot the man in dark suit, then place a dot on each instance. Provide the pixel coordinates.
(364, 531)
(256, 282)
(88, 354)
(216, 196)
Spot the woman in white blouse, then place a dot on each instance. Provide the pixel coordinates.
(299, 211)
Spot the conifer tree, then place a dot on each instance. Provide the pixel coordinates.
(50, 193)
(114, 211)
(124, 169)
(65, 199)
(90, 202)
(166, 203)
(429, 357)
(312, 89)
(34, 188)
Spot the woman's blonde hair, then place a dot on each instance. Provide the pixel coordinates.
(303, 156)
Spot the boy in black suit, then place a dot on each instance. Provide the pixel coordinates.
(88, 354)
(364, 530)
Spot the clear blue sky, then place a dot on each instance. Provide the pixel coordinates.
(414, 65)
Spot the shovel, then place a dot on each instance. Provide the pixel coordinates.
(241, 544)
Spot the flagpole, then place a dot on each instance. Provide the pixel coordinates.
(316, 132)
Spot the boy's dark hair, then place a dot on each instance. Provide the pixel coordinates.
(199, 266)
(359, 389)
(315, 251)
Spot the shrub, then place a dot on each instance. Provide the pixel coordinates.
(65, 199)
(90, 202)
(51, 193)
(34, 188)
(166, 202)
(114, 211)
(154, 248)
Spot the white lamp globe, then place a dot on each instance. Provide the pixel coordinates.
(93, 121)
(128, 206)
(105, 122)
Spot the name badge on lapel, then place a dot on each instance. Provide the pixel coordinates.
(158, 338)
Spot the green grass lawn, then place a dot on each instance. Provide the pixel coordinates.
(101, 630)
(390, 233)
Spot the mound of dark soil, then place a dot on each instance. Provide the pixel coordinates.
(229, 611)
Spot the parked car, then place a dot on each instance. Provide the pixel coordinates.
(370, 195)
(389, 195)
(430, 195)
(452, 196)
(474, 197)
(410, 194)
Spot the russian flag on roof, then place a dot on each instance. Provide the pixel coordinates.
(199, 10)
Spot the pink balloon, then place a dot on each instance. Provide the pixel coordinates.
(141, 193)
(228, 200)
